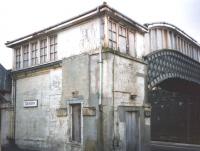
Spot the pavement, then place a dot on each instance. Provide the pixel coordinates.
(155, 146)
(168, 146)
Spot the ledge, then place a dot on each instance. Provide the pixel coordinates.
(33, 69)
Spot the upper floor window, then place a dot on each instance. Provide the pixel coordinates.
(53, 48)
(34, 55)
(122, 39)
(25, 56)
(18, 57)
(112, 35)
(43, 50)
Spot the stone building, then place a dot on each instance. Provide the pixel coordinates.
(80, 85)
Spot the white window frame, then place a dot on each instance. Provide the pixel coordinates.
(53, 48)
(34, 53)
(43, 50)
(25, 51)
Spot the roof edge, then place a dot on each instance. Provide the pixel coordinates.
(97, 10)
(169, 25)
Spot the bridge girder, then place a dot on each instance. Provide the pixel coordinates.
(166, 63)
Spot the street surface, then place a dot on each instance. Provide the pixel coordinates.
(157, 146)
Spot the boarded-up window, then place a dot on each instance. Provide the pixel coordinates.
(76, 122)
(112, 35)
(122, 39)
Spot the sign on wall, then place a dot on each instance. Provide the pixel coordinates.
(30, 103)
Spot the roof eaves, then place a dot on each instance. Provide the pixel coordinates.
(102, 8)
(136, 24)
(54, 27)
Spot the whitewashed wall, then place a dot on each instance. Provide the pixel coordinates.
(39, 126)
(84, 37)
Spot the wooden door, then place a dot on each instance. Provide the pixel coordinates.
(76, 122)
(132, 131)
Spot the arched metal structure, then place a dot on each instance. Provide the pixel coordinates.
(173, 90)
(164, 64)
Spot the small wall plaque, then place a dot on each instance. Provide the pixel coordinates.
(30, 103)
(89, 111)
(61, 112)
(147, 113)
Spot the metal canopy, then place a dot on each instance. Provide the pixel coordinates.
(165, 64)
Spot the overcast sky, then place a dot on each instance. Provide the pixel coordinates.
(21, 17)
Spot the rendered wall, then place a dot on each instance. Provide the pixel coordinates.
(39, 127)
(81, 38)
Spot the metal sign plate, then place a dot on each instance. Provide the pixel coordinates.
(30, 103)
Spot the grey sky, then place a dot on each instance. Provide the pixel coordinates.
(22, 17)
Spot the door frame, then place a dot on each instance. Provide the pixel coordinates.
(138, 111)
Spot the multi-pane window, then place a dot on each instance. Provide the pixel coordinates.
(112, 35)
(25, 56)
(18, 57)
(53, 48)
(122, 39)
(43, 50)
(34, 55)
(76, 122)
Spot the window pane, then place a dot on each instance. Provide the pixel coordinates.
(53, 48)
(43, 47)
(25, 56)
(34, 53)
(18, 58)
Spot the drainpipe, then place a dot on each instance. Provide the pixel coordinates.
(100, 71)
(100, 76)
(14, 108)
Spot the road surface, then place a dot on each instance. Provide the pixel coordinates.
(160, 146)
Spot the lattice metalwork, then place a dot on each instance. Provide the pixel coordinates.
(165, 64)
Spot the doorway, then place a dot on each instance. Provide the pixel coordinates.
(132, 131)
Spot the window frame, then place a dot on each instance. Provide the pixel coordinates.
(34, 53)
(53, 48)
(112, 31)
(25, 52)
(43, 50)
(18, 55)
(120, 35)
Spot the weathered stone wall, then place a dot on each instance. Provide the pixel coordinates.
(39, 127)
(81, 38)
(49, 126)
(76, 89)
(123, 76)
